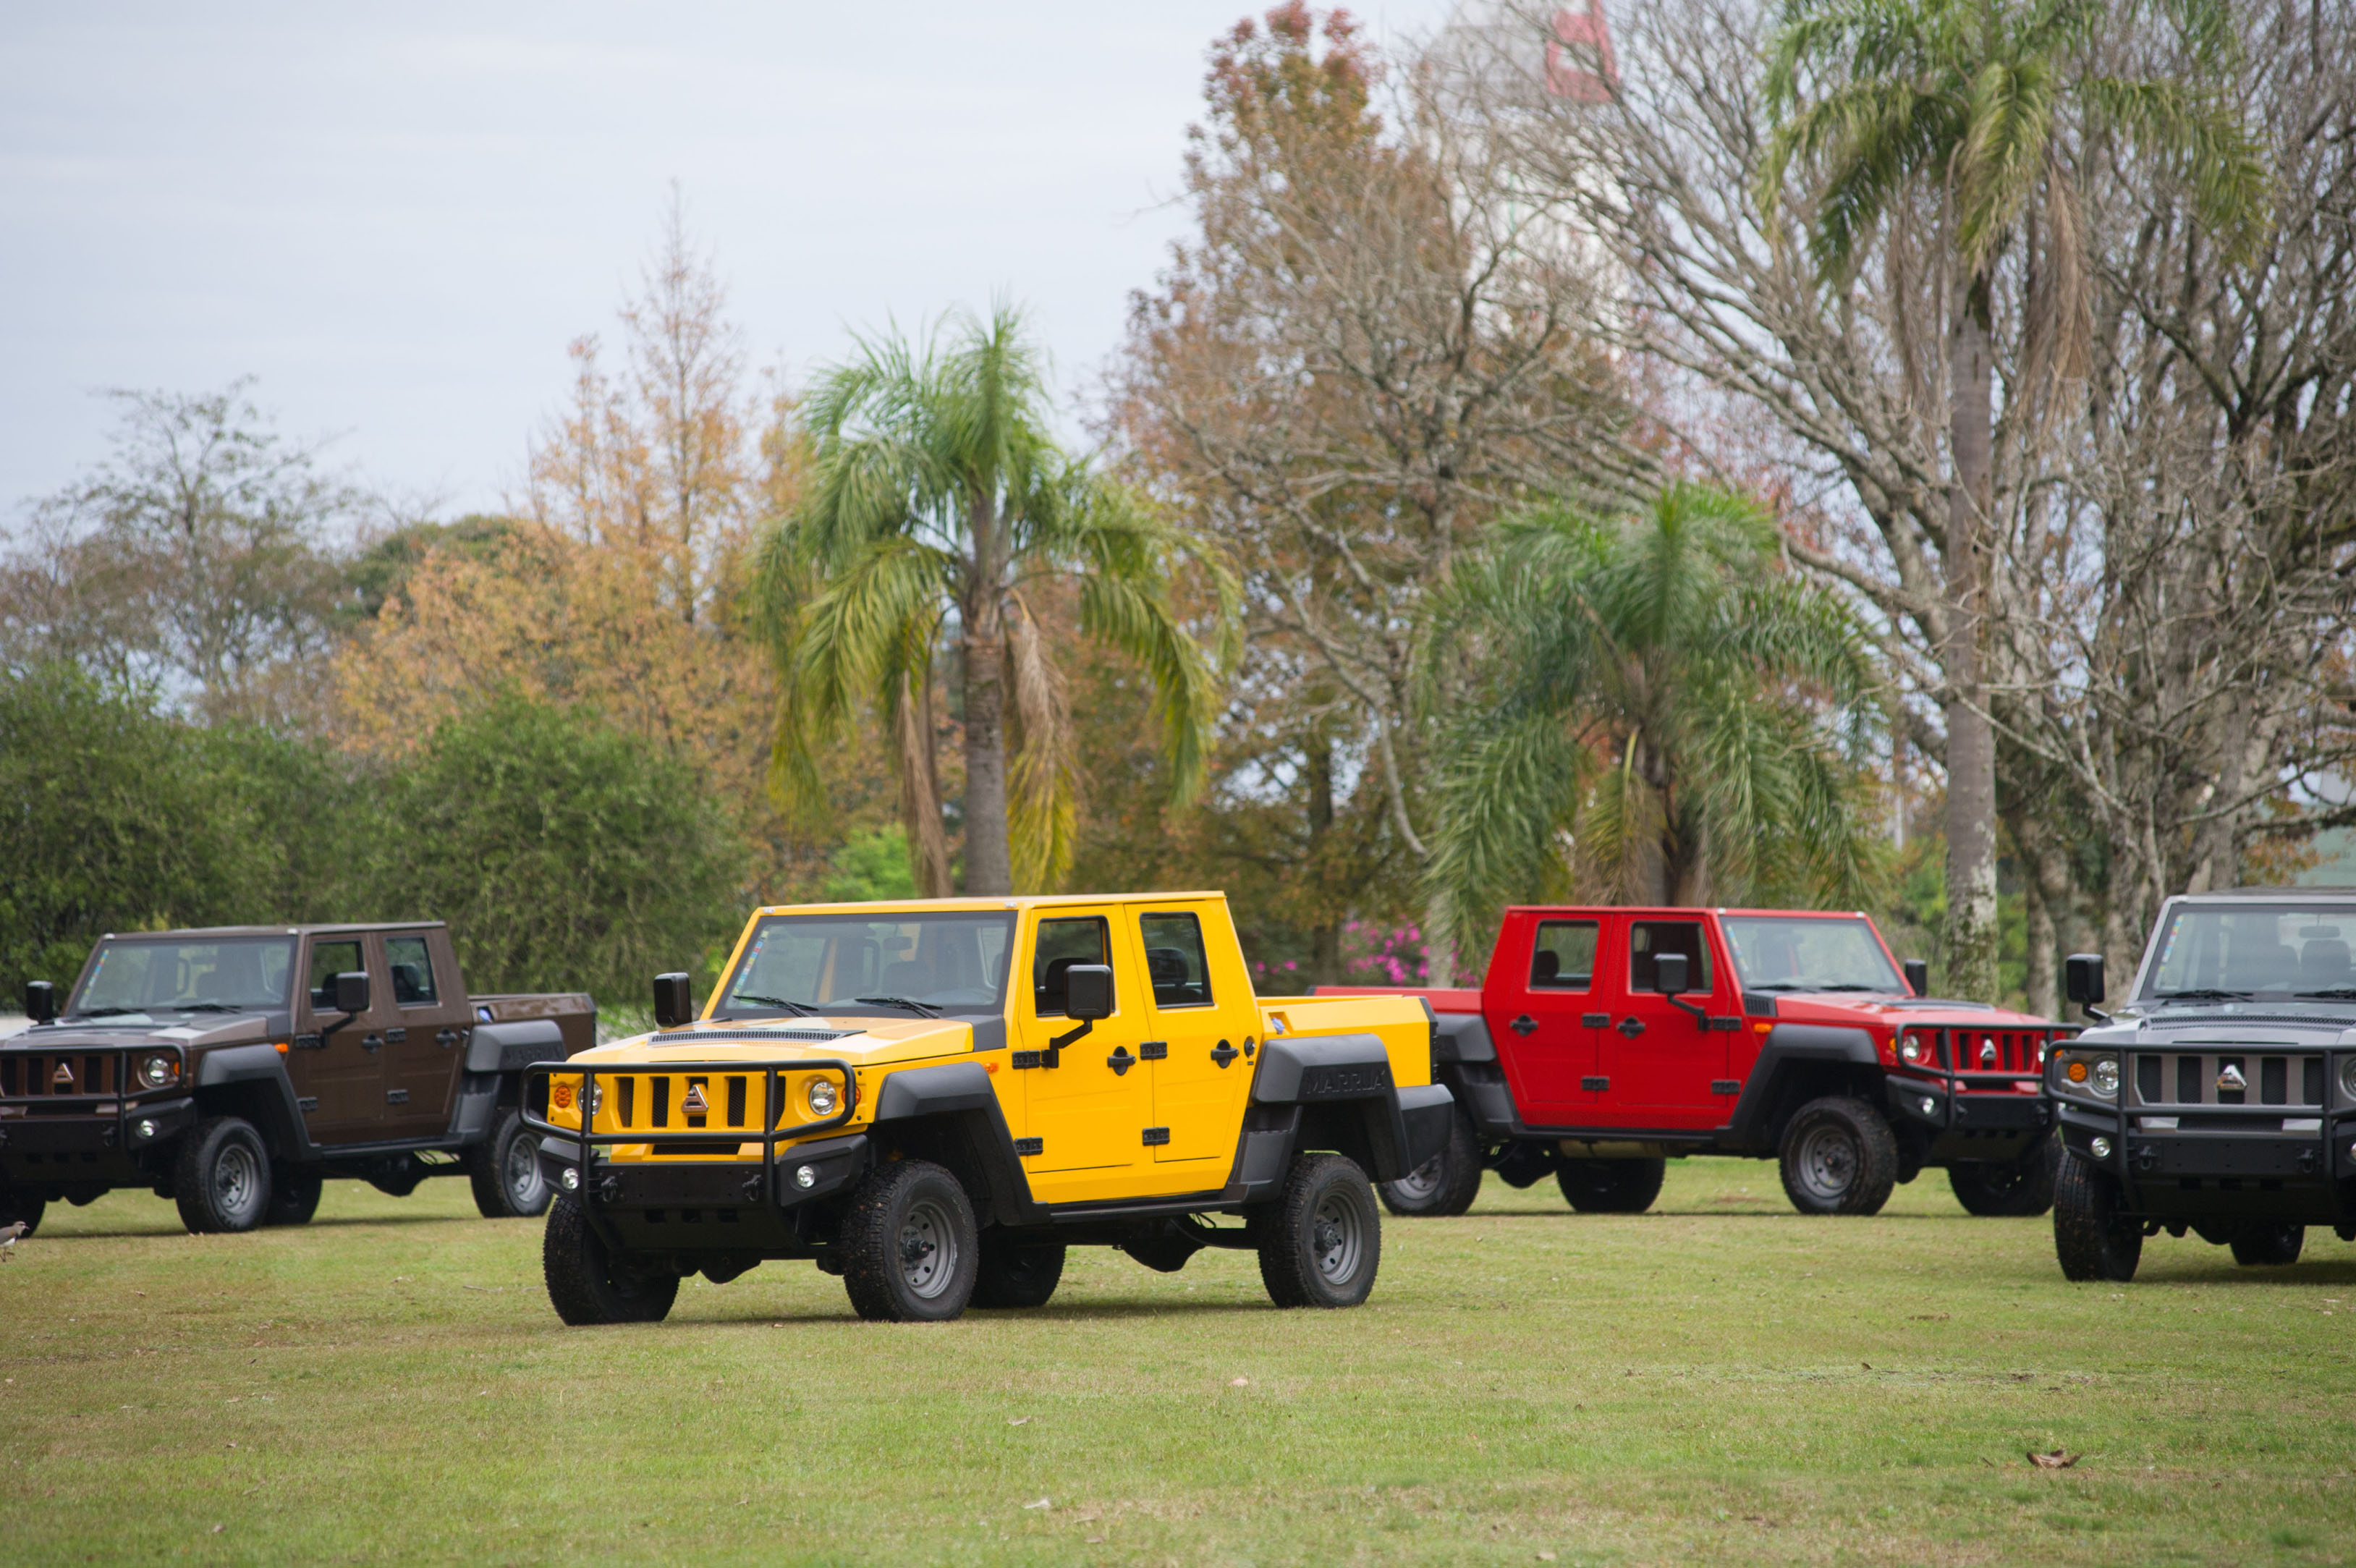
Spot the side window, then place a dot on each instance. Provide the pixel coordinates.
(413, 971)
(1647, 940)
(1174, 959)
(329, 960)
(1063, 943)
(1565, 958)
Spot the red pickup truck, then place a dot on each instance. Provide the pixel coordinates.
(1604, 1040)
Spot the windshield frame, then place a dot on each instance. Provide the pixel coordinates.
(1896, 981)
(79, 1002)
(2338, 908)
(740, 968)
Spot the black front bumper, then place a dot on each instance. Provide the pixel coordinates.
(2306, 1178)
(125, 1147)
(1962, 1122)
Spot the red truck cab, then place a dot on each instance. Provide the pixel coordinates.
(1604, 1040)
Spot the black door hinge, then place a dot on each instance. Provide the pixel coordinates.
(1021, 1060)
(1156, 1137)
(1726, 1086)
(1595, 1085)
(1595, 1020)
(396, 1097)
(396, 1036)
(1723, 1026)
(1025, 1147)
(308, 1103)
(1153, 1051)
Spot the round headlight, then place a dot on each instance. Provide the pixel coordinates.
(2348, 1076)
(822, 1097)
(2106, 1078)
(1911, 1051)
(159, 1070)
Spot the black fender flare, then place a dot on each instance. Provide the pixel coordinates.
(258, 1074)
(1788, 1045)
(1462, 1037)
(511, 1048)
(1337, 1091)
(960, 1096)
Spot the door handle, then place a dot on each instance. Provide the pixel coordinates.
(1524, 1025)
(1224, 1053)
(1120, 1062)
(372, 1042)
(445, 1038)
(1631, 1026)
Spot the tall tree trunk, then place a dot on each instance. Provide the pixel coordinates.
(988, 864)
(1971, 739)
(1324, 938)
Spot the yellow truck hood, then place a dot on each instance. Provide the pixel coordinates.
(862, 1042)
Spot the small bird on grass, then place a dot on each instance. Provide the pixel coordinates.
(8, 1234)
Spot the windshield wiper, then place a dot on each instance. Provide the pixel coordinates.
(2331, 993)
(2201, 995)
(922, 1009)
(798, 1009)
(106, 1011)
(1810, 985)
(209, 1007)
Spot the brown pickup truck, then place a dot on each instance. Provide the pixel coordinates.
(234, 1069)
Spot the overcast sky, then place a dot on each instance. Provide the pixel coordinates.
(396, 221)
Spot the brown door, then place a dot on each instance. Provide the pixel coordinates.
(420, 1045)
(338, 1064)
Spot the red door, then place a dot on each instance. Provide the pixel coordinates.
(1543, 1017)
(1662, 1067)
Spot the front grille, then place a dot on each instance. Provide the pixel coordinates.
(2018, 1053)
(33, 1075)
(657, 1102)
(2202, 1077)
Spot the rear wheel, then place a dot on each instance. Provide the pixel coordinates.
(505, 1172)
(1321, 1239)
(589, 1283)
(910, 1249)
(2023, 1187)
(18, 1206)
(222, 1177)
(2090, 1238)
(293, 1195)
(2268, 1246)
(1611, 1187)
(1017, 1275)
(1444, 1185)
(1838, 1157)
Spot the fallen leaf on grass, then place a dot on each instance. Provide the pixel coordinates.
(2056, 1460)
(1018, 1421)
(1096, 1540)
(1546, 1556)
(1042, 1503)
(1240, 1383)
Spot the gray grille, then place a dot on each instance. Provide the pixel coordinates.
(2191, 1077)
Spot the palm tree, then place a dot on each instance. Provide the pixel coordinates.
(939, 506)
(1975, 105)
(1662, 720)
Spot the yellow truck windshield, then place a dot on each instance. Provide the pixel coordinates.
(956, 962)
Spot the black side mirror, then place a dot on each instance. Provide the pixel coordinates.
(2081, 978)
(1671, 974)
(1087, 992)
(40, 1001)
(674, 1000)
(1918, 976)
(352, 991)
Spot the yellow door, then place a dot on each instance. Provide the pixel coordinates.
(1202, 1010)
(1085, 1116)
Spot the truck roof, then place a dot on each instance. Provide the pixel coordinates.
(1015, 901)
(1690, 909)
(2280, 894)
(179, 932)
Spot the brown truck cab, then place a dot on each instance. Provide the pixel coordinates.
(234, 1069)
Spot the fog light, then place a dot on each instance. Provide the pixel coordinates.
(572, 1178)
(146, 1129)
(2100, 1148)
(805, 1175)
(1930, 1106)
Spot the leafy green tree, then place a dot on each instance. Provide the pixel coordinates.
(1663, 722)
(566, 853)
(1970, 111)
(940, 506)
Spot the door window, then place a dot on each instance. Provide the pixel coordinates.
(413, 971)
(1062, 944)
(1565, 956)
(1647, 940)
(329, 960)
(1175, 960)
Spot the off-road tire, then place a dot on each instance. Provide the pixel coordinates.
(1838, 1157)
(19, 1206)
(1445, 1184)
(588, 1285)
(1611, 1187)
(2093, 1239)
(2021, 1190)
(2261, 1245)
(1321, 1240)
(910, 1248)
(1016, 1273)
(221, 1179)
(504, 1170)
(293, 1195)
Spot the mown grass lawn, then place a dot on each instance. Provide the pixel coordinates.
(1718, 1380)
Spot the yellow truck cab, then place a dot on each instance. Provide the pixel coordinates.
(934, 1099)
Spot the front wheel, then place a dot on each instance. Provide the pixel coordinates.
(910, 1249)
(589, 1283)
(2090, 1238)
(221, 1180)
(504, 1170)
(1838, 1157)
(1321, 1239)
(2267, 1246)
(1445, 1184)
(1017, 1273)
(2021, 1189)
(1611, 1187)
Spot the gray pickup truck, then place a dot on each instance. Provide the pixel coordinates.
(2221, 1099)
(233, 1069)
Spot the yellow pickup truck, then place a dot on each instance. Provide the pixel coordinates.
(935, 1099)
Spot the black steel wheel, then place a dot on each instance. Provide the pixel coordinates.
(2021, 1189)
(1611, 1187)
(2258, 1245)
(18, 1206)
(910, 1248)
(1321, 1240)
(1444, 1185)
(588, 1283)
(504, 1170)
(1838, 1157)
(2090, 1238)
(1017, 1273)
(221, 1180)
(293, 1195)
